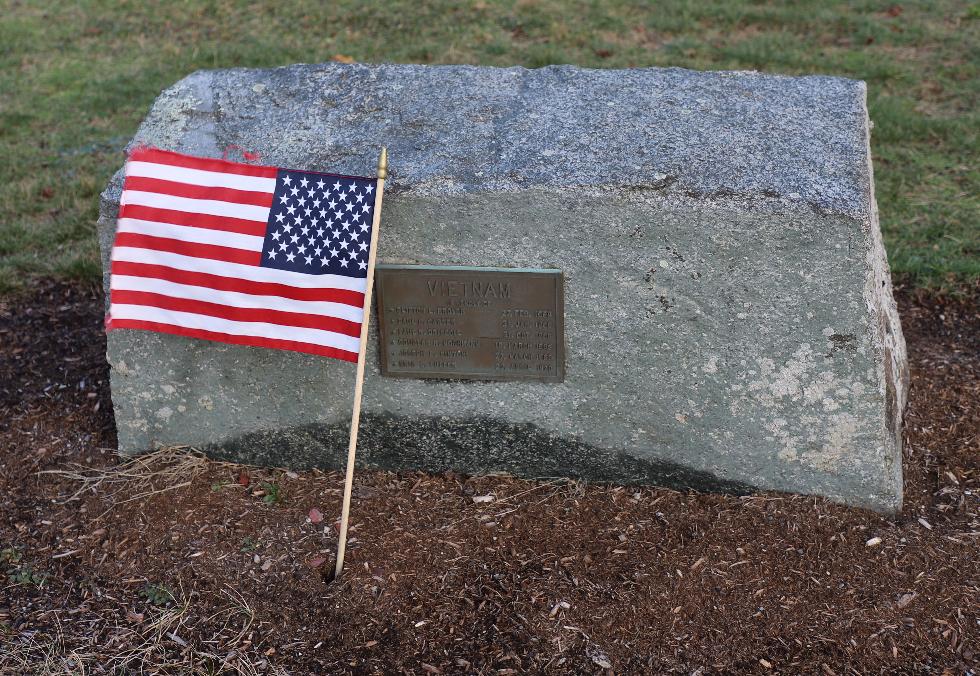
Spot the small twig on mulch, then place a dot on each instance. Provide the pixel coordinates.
(155, 645)
(557, 484)
(159, 471)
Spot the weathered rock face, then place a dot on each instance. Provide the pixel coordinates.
(729, 314)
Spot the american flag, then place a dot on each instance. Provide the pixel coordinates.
(240, 253)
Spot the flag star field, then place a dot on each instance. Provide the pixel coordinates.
(319, 224)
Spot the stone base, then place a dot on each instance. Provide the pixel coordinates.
(729, 318)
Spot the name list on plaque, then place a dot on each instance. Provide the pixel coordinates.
(471, 323)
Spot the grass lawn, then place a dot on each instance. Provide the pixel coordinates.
(77, 77)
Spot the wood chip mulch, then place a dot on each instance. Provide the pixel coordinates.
(183, 565)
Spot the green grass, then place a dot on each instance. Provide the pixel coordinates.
(77, 77)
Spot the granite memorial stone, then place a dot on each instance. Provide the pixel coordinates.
(728, 312)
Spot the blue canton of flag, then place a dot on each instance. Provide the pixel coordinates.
(319, 224)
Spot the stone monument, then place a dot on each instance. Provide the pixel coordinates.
(726, 307)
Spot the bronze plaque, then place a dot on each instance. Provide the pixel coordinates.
(472, 323)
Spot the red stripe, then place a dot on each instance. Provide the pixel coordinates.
(238, 314)
(220, 283)
(199, 192)
(223, 223)
(211, 251)
(144, 154)
(292, 345)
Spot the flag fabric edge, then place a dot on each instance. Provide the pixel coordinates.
(222, 161)
(230, 338)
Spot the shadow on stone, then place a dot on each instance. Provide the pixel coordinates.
(476, 445)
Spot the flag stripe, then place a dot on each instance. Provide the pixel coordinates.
(210, 251)
(220, 283)
(190, 320)
(236, 298)
(191, 234)
(248, 272)
(157, 156)
(139, 183)
(194, 220)
(167, 172)
(237, 314)
(195, 206)
(279, 344)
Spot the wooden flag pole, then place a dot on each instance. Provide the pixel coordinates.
(359, 382)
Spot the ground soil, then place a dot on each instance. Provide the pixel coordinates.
(197, 566)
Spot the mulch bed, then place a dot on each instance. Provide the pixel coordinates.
(199, 566)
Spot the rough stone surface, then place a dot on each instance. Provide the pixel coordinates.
(729, 316)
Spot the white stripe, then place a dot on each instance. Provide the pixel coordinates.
(214, 179)
(190, 234)
(191, 320)
(235, 298)
(195, 206)
(252, 273)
